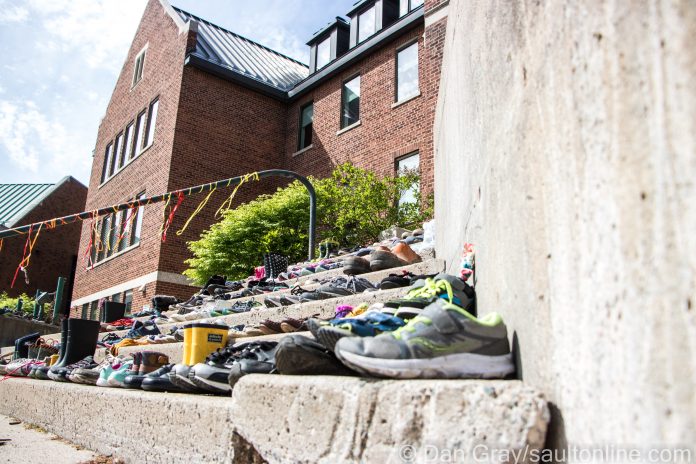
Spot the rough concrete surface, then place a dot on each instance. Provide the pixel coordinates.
(566, 152)
(288, 419)
(338, 419)
(31, 445)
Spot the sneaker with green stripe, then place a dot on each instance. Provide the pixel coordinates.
(444, 341)
(426, 291)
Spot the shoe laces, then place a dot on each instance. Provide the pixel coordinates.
(433, 288)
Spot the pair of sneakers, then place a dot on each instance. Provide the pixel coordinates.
(129, 373)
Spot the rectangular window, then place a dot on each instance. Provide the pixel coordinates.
(93, 306)
(139, 134)
(118, 151)
(116, 298)
(115, 230)
(408, 164)
(107, 162)
(407, 72)
(366, 24)
(350, 102)
(85, 308)
(138, 67)
(323, 53)
(406, 6)
(151, 122)
(128, 300)
(128, 147)
(138, 223)
(306, 121)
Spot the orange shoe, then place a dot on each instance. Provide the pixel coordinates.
(405, 252)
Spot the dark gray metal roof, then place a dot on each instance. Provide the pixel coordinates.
(244, 56)
(14, 198)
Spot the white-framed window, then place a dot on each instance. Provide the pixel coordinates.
(406, 6)
(323, 52)
(151, 123)
(107, 162)
(367, 23)
(407, 164)
(350, 102)
(139, 66)
(117, 232)
(407, 72)
(128, 146)
(118, 151)
(304, 138)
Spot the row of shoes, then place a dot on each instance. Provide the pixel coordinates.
(381, 258)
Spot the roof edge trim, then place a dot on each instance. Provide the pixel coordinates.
(36, 201)
(180, 23)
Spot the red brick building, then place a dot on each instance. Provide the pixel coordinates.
(55, 253)
(195, 103)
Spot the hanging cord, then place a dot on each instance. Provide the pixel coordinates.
(26, 257)
(198, 210)
(126, 226)
(170, 218)
(91, 244)
(227, 204)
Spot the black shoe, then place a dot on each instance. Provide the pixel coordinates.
(259, 358)
(300, 355)
(179, 376)
(159, 381)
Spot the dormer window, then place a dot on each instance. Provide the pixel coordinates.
(406, 6)
(366, 24)
(323, 53)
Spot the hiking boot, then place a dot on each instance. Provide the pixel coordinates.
(299, 355)
(444, 341)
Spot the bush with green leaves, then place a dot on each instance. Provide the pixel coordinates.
(353, 206)
(7, 302)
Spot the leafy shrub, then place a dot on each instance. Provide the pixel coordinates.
(353, 206)
(7, 302)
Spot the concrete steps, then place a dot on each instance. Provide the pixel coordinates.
(287, 419)
(175, 351)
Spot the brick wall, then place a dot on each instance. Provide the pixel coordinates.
(149, 172)
(54, 250)
(385, 134)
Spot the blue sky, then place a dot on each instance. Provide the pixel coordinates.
(61, 59)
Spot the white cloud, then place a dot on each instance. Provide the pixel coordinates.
(98, 31)
(12, 14)
(35, 141)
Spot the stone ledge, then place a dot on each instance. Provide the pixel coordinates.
(274, 418)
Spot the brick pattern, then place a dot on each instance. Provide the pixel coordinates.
(385, 133)
(433, 4)
(148, 172)
(210, 129)
(54, 250)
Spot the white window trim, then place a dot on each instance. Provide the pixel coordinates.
(142, 71)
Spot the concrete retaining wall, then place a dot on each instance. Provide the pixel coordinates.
(565, 151)
(12, 328)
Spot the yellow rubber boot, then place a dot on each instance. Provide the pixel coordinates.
(185, 358)
(206, 338)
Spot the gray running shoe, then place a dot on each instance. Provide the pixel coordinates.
(444, 341)
(426, 291)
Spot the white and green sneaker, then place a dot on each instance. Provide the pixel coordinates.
(118, 375)
(444, 341)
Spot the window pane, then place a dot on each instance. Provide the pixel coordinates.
(323, 53)
(366, 24)
(93, 309)
(128, 300)
(101, 246)
(306, 118)
(107, 162)
(407, 72)
(351, 102)
(403, 166)
(138, 67)
(116, 298)
(115, 232)
(128, 140)
(118, 151)
(416, 3)
(403, 7)
(151, 122)
(122, 229)
(138, 223)
(139, 133)
(85, 307)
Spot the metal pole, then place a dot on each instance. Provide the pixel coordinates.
(58, 301)
(20, 303)
(231, 182)
(36, 305)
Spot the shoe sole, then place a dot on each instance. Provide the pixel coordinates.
(454, 366)
(211, 387)
(329, 336)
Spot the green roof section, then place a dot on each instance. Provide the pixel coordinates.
(15, 198)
